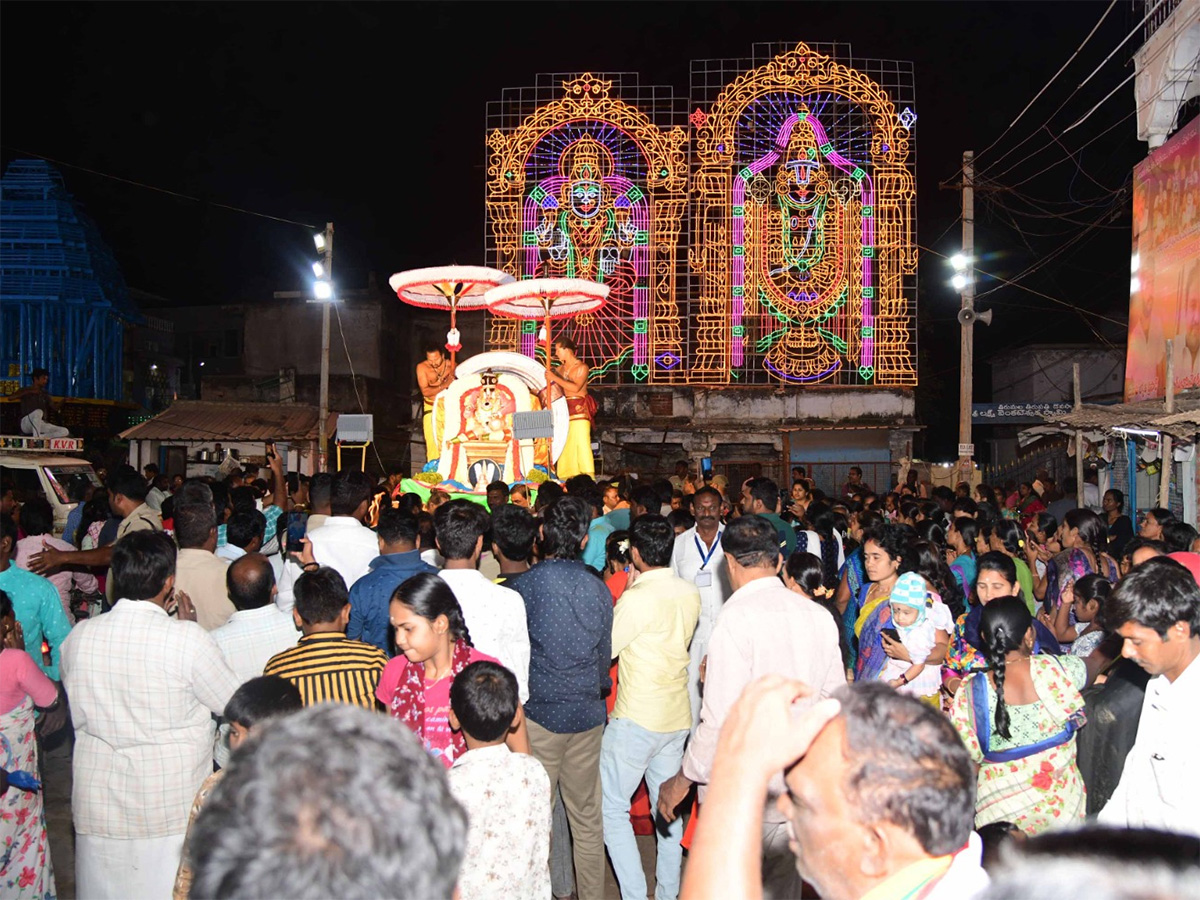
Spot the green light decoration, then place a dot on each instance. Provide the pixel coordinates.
(766, 343)
(833, 339)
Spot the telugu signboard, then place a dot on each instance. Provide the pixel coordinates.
(1016, 413)
(1164, 290)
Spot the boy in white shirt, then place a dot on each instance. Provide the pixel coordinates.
(506, 794)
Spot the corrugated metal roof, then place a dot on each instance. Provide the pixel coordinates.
(1150, 414)
(202, 420)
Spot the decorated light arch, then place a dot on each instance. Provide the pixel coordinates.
(803, 169)
(799, 239)
(588, 186)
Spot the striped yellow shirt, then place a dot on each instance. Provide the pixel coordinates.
(329, 667)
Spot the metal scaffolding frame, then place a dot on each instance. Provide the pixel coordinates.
(63, 303)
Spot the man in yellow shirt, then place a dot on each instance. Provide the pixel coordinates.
(653, 623)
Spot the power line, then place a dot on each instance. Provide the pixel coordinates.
(1050, 118)
(1128, 78)
(150, 187)
(1030, 290)
(1059, 72)
(1054, 139)
(1044, 88)
(1120, 121)
(354, 382)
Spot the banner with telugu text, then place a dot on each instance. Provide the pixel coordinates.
(1164, 301)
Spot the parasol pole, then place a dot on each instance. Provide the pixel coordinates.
(549, 391)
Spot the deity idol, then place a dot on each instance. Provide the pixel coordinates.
(801, 253)
(587, 223)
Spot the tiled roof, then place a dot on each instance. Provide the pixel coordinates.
(202, 420)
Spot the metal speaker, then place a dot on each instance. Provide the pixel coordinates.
(971, 316)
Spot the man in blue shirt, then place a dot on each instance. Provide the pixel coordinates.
(36, 602)
(79, 491)
(599, 529)
(570, 614)
(398, 561)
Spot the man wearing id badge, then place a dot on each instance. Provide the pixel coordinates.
(698, 558)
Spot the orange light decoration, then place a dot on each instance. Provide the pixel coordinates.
(587, 186)
(803, 172)
(801, 266)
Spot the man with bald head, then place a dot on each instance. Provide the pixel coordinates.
(259, 629)
(256, 632)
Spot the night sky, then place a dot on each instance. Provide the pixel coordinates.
(372, 115)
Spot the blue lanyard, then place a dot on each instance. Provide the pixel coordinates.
(705, 557)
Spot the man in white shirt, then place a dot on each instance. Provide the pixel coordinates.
(495, 615)
(143, 690)
(256, 632)
(506, 795)
(698, 558)
(200, 573)
(1156, 609)
(763, 629)
(344, 543)
(159, 491)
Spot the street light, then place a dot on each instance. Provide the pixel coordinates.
(323, 294)
(959, 262)
(959, 282)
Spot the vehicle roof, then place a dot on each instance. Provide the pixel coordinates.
(32, 459)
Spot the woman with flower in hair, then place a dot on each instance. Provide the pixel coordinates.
(1018, 719)
(803, 574)
(1005, 536)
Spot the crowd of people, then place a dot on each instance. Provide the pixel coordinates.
(284, 686)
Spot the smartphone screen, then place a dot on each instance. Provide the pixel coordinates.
(706, 468)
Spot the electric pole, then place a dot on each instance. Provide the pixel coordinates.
(324, 293)
(966, 449)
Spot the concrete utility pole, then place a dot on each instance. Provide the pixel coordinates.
(967, 361)
(323, 413)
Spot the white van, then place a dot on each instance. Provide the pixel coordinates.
(43, 473)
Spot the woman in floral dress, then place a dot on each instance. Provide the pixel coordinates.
(1018, 720)
(25, 870)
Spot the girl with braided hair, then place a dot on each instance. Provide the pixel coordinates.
(432, 637)
(822, 540)
(1018, 719)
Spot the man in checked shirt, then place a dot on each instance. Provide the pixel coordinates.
(144, 687)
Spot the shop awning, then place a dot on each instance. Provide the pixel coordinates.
(203, 420)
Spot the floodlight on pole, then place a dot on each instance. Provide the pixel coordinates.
(323, 290)
(318, 270)
(959, 262)
(319, 240)
(959, 282)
